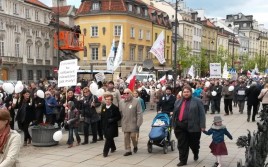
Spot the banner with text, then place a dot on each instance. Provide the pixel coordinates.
(67, 75)
(215, 70)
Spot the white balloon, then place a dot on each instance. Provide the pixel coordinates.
(18, 88)
(150, 79)
(19, 82)
(248, 86)
(144, 80)
(93, 88)
(163, 88)
(8, 88)
(100, 92)
(158, 86)
(207, 84)
(213, 93)
(180, 93)
(40, 94)
(57, 136)
(231, 88)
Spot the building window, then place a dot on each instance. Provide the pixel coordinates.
(130, 8)
(27, 13)
(138, 10)
(1, 25)
(15, 8)
(28, 51)
(132, 32)
(167, 55)
(140, 54)
(132, 53)
(94, 31)
(47, 73)
(96, 6)
(17, 48)
(45, 18)
(167, 39)
(36, 15)
(19, 75)
(117, 30)
(145, 12)
(38, 52)
(37, 33)
(148, 35)
(94, 53)
(30, 74)
(39, 74)
(147, 53)
(46, 53)
(16, 28)
(140, 34)
(85, 51)
(104, 51)
(2, 46)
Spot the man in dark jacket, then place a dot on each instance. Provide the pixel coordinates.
(241, 96)
(215, 100)
(252, 94)
(189, 120)
(166, 102)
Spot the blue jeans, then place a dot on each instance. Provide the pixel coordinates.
(71, 138)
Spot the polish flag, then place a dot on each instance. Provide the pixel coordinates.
(132, 79)
(163, 80)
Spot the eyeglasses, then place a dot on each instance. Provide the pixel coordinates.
(126, 93)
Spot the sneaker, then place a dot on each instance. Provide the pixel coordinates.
(128, 153)
(181, 164)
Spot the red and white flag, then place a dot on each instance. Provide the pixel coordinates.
(158, 48)
(132, 79)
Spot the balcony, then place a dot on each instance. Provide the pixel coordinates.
(16, 60)
(47, 62)
(30, 61)
(39, 62)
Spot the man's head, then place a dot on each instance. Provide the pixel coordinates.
(168, 90)
(187, 92)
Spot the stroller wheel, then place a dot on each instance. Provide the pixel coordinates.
(165, 147)
(150, 148)
(172, 145)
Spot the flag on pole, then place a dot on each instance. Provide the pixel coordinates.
(225, 69)
(110, 59)
(132, 79)
(119, 54)
(256, 68)
(158, 48)
(191, 71)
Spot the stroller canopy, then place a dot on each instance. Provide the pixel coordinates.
(161, 119)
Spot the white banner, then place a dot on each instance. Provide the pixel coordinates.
(110, 59)
(119, 54)
(191, 71)
(100, 76)
(67, 74)
(158, 48)
(215, 70)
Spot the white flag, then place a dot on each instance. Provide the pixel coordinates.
(256, 68)
(225, 68)
(110, 59)
(134, 72)
(119, 54)
(191, 71)
(158, 48)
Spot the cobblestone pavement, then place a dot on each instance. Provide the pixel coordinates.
(91, 155)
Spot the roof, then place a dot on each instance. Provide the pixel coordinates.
(63, 10)
(37, 3)
(159, 20)
(208, 23)
(106, 6)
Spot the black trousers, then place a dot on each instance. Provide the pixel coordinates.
(39, 116)
(25, 126)
(51, 119)
(109, 144)
(228, 106)
(12, 121)
(255, 110)
(187, 140)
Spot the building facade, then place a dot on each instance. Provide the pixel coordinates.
(26, 43)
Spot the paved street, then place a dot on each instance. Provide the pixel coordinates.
(91, 155)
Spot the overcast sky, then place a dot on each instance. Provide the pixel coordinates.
(217, 8)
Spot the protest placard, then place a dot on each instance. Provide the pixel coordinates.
(67, 74)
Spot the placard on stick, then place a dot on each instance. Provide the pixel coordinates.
(67, 75)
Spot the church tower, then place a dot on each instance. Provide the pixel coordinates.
(61, 3)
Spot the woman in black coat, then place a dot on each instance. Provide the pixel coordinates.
(109, 116)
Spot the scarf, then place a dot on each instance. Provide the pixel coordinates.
(3, 137)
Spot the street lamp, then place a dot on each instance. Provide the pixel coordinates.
(211, 42)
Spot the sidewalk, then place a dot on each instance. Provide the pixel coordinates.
(91, 155)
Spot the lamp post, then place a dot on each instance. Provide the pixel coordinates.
(233, 52)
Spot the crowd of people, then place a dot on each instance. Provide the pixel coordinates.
(187, 104)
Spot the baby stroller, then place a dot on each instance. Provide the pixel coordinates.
(160, 133)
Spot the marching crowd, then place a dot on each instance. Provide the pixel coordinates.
(187, 104)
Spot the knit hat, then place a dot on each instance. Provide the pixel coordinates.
(217, 119)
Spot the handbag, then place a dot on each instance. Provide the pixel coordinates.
(263, 96)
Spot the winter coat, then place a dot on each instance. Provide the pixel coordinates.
(264, 96)
(218, 133)
(226, 93)
(25, 112)
(252, 94)
(196, 115)
(89, 112)
(51, 103)
(197, 92)
(132, 117)
(40, 105)
(217, 89)
(166, 105)
(116, 96)
(205, 97)
(72, 118)
(241, 93)
(109, 118)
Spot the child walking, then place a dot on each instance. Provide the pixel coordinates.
(72, 119)
(217, 146)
